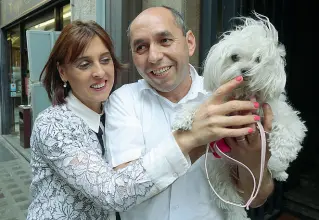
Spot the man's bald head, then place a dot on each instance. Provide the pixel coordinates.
(177, 16)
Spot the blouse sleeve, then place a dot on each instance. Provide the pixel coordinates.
(67, 149)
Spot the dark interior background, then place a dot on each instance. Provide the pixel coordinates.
(296, 23)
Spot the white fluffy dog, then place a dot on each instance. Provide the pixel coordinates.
(253, 51)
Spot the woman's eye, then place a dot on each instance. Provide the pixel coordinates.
(84, 65)
(105, 60)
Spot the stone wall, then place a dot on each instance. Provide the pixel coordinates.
(83, 10)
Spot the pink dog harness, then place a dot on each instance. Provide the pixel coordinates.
(221, 144)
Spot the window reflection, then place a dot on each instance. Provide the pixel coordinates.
(13, 39)
(66, 11)
(48, 25)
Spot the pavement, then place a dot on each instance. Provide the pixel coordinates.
(15, 178)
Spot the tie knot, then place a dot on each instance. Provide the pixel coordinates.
(102, 119)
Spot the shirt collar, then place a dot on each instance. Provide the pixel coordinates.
(196, 89)
(90, 117)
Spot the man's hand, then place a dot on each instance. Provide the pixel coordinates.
(213, 119)
(196, 153)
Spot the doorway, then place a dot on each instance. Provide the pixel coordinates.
(15, 81)
(294, 20)
(301, 189)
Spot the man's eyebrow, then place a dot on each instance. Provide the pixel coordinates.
(137, 42)
(164, 34)
(159, 34)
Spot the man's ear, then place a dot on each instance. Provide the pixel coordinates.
(191, 42)
(61, 71)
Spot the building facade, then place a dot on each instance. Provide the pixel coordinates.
(206, 18)
(21, 15)
(18, 16)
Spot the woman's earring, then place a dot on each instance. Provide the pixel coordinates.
(65, 84)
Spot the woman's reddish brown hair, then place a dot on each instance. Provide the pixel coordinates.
(71, 43)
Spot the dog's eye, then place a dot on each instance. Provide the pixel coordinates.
(257, 60)
(235, 58)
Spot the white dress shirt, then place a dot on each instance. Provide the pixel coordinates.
(139, 119)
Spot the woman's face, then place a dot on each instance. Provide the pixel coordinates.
(91, 75)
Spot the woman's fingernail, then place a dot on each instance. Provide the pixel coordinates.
(250, 130)
(239, 78)
(256, 104)
(256, 117)
(265, 105)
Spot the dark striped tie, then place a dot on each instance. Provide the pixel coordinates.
(100, 138)
(101, 132)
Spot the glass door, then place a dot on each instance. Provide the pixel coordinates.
(13, 38)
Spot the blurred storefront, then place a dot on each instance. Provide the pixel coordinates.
(16, 17)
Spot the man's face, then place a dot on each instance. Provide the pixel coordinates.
(159, 49)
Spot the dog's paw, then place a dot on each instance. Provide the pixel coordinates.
(184, 118)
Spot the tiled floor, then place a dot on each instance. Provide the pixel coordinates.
(15, 179)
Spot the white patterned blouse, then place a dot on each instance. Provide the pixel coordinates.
(71, 179)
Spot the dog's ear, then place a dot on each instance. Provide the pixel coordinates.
(281, 50)
(211, 66)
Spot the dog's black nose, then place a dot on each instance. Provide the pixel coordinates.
(243, 71)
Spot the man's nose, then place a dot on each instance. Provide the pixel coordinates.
(155, 54)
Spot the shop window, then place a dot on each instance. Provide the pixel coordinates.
(45, 22)
(13, 39)
(48, 25)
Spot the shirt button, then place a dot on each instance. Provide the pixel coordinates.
(175, 175)
(176, 207)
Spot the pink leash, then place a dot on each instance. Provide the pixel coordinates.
(219, 147)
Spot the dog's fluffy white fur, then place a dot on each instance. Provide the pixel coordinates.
(253, 51)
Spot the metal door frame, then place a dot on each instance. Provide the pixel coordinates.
(115, 16)
(5, 99)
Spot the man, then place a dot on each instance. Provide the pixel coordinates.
(139, 116)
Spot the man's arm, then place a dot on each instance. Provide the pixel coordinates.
(124, 132)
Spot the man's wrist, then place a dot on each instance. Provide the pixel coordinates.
(184, 141)
(244, 186)
(267, 183)
(244, 173)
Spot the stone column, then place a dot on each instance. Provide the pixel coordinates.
(192, 17)
(83, 9)
(176, 4)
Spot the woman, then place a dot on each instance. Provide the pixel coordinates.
(71, 178)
